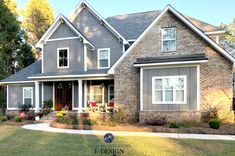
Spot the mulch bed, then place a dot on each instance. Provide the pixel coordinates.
(225, 129)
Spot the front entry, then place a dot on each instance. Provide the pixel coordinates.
(63, 95)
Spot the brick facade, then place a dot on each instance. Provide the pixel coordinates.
(215, 76)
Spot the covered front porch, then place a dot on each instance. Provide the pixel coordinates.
(74, 94)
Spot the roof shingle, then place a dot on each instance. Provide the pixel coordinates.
(132, 25)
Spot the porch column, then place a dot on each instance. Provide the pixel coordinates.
(79, 96)
(36, 96)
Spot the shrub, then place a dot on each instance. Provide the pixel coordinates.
(17, 119)
(25, 107)
(9, 116)
(111, 123)
(174, 125)
(156, 122)
(4, 118)
(210, 114)
(86, 121)
(31, 116)
(47, 104)
(65, 120)
(119, 116)
(215, 123)
(59, 114)
(63, 112)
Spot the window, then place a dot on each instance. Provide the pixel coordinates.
(110, 92)
(103, 58)
(63, 58)
(97, 94)
(169, 90)
(28, 95)
(168, 39)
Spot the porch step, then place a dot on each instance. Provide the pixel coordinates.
(48, 118)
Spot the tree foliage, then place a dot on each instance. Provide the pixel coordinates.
(229, 37)
(11, 5)
(38, 16)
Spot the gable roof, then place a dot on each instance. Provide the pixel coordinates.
(22, 75)
(132, 25)
(56, 24)
(184, 20)
(83, 4)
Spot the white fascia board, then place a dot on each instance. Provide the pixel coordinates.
(170, 63)
(16, 82)
(187, 22)
(215, 32)
(79, 8)
(55, 25)
(69, 76)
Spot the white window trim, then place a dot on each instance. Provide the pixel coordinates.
(162, 49)
(109, 92)
(31, 94)
(58, 50)
(98, 58)
(167, 102)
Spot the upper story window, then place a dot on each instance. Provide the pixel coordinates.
(63, 58)
(169, 90)
(28, 95)
(103, 58)
(168, 39)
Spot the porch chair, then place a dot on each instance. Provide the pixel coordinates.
(110, 105)
(93, 106)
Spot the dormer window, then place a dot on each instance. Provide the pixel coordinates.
(103, 58)
(63, 58)
(168, 39)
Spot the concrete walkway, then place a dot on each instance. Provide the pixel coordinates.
(45, 127)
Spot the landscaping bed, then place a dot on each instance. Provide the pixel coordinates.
(116, 122)
(226, 129)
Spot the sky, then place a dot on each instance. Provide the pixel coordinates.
(210, 11)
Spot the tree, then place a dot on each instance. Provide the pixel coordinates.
(38, 16)
(229, 37)
(11, 5)
(15, 52)
(10, 39)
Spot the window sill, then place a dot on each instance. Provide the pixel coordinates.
(103, 67)
(169, 103)
(62, 67)
(172, 51)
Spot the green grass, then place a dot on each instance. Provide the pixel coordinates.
(15, 141)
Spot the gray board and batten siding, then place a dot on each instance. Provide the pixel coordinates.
(99, 35)
(191, 90)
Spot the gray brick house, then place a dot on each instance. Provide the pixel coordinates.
(157, 64)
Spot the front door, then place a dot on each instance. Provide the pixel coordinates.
(63, 95)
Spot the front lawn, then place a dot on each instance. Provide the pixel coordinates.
(17, 141)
